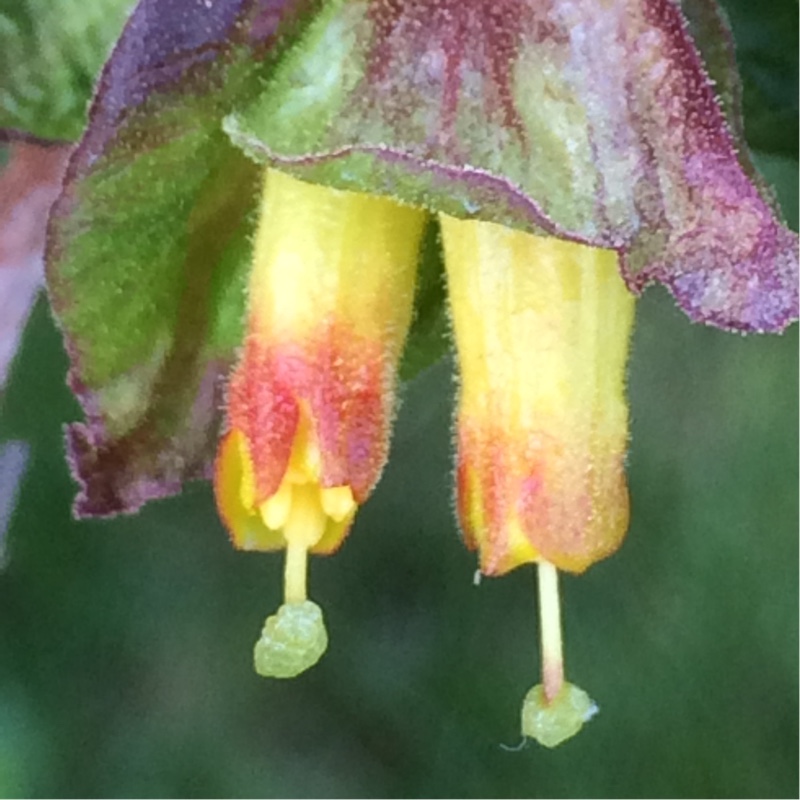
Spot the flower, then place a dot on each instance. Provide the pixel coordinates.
(572, 151)
(542, 328)
(309, 405)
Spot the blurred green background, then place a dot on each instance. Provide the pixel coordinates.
(125, 646)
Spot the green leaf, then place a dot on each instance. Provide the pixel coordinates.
(149, 247)
(50, 56)
(428, 338)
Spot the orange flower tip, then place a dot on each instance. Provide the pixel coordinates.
(292, 641)
(300, 511)
(552, 722)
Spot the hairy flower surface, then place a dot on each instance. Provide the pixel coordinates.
(572, 151)
(309, 405)
(542, 329)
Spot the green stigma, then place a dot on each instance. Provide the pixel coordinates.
(292, 640)
(552, 723)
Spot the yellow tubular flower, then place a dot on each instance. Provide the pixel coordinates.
(311, 401)
(542, 328)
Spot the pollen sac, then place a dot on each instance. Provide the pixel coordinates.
(542, 328)
(292, 640)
